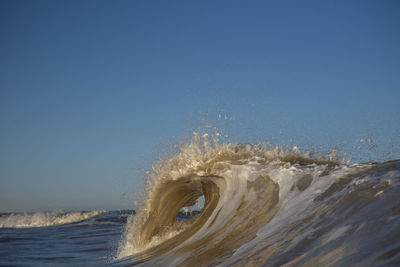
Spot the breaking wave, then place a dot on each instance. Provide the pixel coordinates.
(265, 206)
(40, 219)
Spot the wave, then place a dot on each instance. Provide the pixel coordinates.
(265, 206)
(40, 219)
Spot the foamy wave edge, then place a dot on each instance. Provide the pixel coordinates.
(41, 219)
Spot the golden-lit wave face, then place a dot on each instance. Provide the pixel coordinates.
(219, 235)
(206, 169)
(259, 203)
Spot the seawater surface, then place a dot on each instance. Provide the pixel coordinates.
(259, 207)
(60, 238)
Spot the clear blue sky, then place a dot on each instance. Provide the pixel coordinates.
(92, 91)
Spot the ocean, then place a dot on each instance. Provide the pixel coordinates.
(227, 205)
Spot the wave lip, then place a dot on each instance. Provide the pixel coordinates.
(41, 219)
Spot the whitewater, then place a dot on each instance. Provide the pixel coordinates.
(252, 205)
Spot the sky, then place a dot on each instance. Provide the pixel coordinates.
(91, 92)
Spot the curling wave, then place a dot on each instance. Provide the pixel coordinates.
(265, 206)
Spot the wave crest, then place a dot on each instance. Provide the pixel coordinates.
(265, 206)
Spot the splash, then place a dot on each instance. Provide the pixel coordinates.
(264, 205)
(226, 175)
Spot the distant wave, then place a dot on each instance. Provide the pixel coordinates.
(40, 219)
(265, 206)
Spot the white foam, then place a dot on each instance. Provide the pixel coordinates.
(40, 219)
(293, 204)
